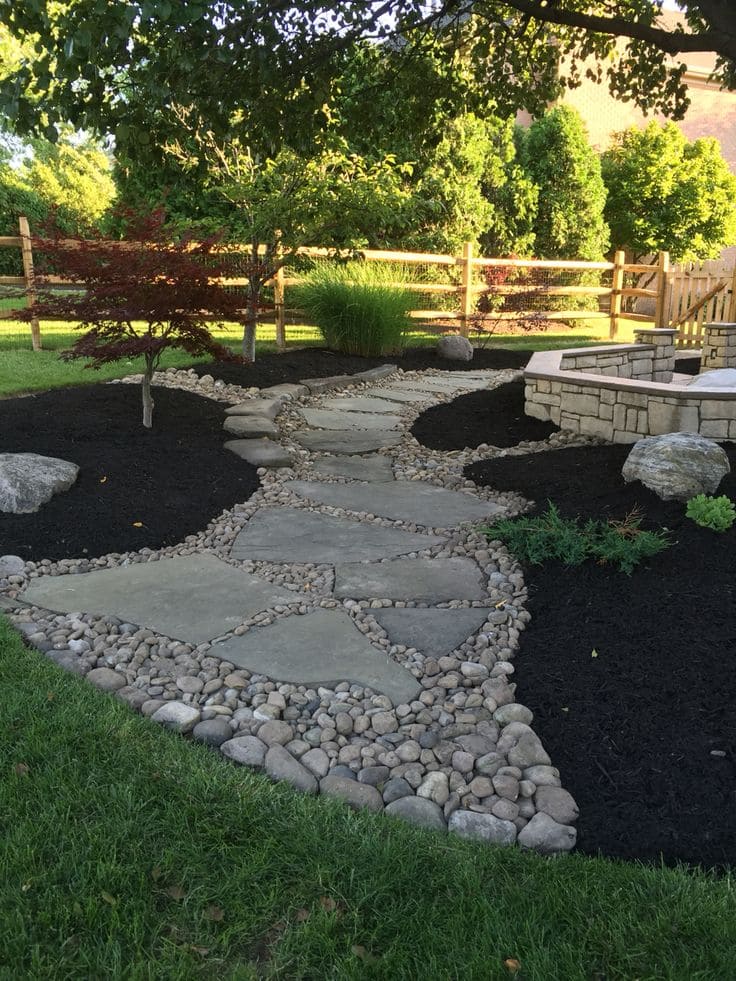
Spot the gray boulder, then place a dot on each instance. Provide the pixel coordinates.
(677, 466)
(455, 347)
(28, 480)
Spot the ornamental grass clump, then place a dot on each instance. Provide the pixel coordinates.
(358, 307)
(550, 537)
(716, 513)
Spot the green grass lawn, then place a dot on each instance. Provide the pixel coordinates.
(23, 370)
(127, 852)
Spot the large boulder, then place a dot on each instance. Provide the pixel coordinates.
(455, 347)
(28, 480)
(677, 466)
(715, 378)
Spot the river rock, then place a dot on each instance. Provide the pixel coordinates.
(546, 836)
(482, 827)
(419, 811)
(357, 795)
(281, 765)
(558, 803)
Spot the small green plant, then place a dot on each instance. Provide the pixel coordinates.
(548, 536)
(716, 513)
(358, 307)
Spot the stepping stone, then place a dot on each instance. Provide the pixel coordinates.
(433, 632)
(268, 408)
(286, 390)
(376, 468)
(295, 535)
(334, 419)
(192, 598)
(398, 394)
(320, 648)
(347, 442)
(318, 385)
(359, 404)
(260, 452)
(422, 580)
(250, 427)
(445, 386)
(402, 500)
(376, 374)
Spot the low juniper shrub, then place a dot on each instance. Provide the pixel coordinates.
(549, 537)
(716, 513)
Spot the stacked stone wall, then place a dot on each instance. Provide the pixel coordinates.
(623, 393)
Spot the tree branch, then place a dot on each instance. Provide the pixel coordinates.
(671, 42)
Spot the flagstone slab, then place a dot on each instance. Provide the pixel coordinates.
(432, 632)
(268, 408)
(442, 385)
(345, 441)
(376, 467)
(320, 648)
(421, 580)
(191, 598)
(260, 452)
(295, 535)
(358, 403)
(250, 427)
(395, 393)
(335, 419)
(402, 500)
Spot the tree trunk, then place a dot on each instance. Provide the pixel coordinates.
(146, 392)
(251, 319)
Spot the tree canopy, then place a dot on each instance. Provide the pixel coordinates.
(111, 66)
(666, 192)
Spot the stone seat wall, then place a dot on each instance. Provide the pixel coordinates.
(623, 392)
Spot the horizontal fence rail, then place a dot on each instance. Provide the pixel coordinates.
(465, 292)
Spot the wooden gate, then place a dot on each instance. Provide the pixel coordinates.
(700, 292)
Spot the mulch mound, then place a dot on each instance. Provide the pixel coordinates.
(494, 417)
(633, 729)
(313, 362)
(172, 479)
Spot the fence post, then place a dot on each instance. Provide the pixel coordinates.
(661, 317)
(466, 294)
(732, 302)
(30, 278)
(278, 298)
(617, 285)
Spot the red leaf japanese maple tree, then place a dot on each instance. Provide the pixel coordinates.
(139, 297)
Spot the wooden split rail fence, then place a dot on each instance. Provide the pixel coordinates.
(467, 277)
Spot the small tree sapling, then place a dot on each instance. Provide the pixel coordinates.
(139, 297)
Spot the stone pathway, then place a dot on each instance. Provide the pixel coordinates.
(348, 629)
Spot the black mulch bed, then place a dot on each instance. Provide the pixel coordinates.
(495, 417)
(173, 479)
(633, 729)
(312, 362)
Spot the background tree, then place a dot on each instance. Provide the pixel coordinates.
(140, 298)
(471, 188)
(280, 204)
(666, 192)
(559, 159)
(107, 65)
